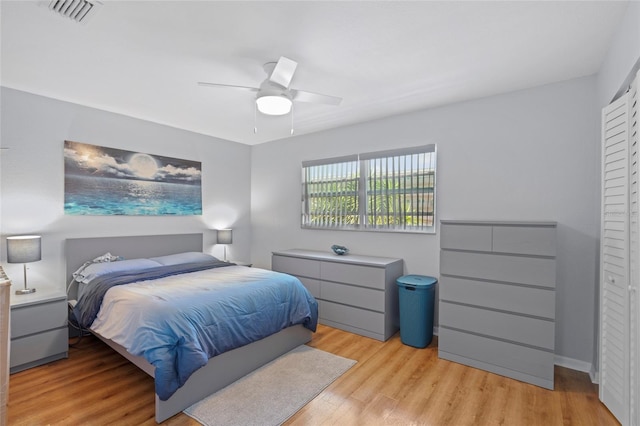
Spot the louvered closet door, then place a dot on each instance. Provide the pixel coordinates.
(614, 255)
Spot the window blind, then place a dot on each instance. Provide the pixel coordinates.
(390, 190)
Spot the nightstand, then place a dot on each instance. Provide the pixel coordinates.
(38, 329)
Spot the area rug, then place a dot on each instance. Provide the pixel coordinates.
(273, 393)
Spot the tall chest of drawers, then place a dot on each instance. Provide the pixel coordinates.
(355, 293)
(497, 297)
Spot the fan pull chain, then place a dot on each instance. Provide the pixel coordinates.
(255, 113)
(292, 120)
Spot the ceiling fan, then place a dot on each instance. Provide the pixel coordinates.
(274, 96)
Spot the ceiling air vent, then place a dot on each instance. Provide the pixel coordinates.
(77, 10)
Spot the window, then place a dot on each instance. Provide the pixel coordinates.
(377, 191)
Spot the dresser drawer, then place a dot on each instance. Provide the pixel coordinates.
(513, 298)
(465, 237)
(31, 319)
(540, 241)
(311, 284)
(38, 346)
(365, 276)
(494, 267)
(516, 328)
(355, 296)
(296, 266)
(530, 361)
(350, 316)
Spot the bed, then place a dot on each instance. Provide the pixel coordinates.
(219, 370)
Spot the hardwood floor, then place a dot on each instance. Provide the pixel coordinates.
(392, 384)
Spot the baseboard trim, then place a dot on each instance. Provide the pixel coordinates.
(595, 376)
(573, 364)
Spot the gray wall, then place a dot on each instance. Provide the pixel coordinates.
(32, 180)
(623, 56)
(527, 155)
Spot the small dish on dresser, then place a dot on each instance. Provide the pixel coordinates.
(340, 250)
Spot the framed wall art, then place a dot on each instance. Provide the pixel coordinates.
(108, 181)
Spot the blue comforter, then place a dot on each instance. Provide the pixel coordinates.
(178, 329)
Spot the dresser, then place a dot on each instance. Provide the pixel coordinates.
(355, 293)
(39, 331)
(497, 297)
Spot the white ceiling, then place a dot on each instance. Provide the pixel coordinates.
(143, 58)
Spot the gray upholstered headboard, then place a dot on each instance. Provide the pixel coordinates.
(79, 250)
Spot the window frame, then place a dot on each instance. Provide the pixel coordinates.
(364, 193)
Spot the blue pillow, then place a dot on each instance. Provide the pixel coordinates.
(96, 270)
(186, 257)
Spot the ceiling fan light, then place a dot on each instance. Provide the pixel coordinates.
(274, 104)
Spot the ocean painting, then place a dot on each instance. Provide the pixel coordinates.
(109, 181)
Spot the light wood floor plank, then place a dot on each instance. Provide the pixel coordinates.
(392, 384)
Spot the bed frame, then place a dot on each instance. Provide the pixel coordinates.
(221, 370)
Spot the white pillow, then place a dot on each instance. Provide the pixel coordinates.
(186, 257)
(96, 270)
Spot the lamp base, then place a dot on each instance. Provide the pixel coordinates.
(26, 291)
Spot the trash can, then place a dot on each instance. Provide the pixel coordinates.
(416, 299)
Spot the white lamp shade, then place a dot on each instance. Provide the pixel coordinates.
(274, 104)
(24, 249)
(225, 236)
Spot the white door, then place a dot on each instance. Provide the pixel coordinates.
(615, 264)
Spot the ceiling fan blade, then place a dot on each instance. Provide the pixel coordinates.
(283, 72)
(303, 96)
(250, 89)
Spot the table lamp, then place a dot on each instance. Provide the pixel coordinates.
(225, 236)
(24, 249)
